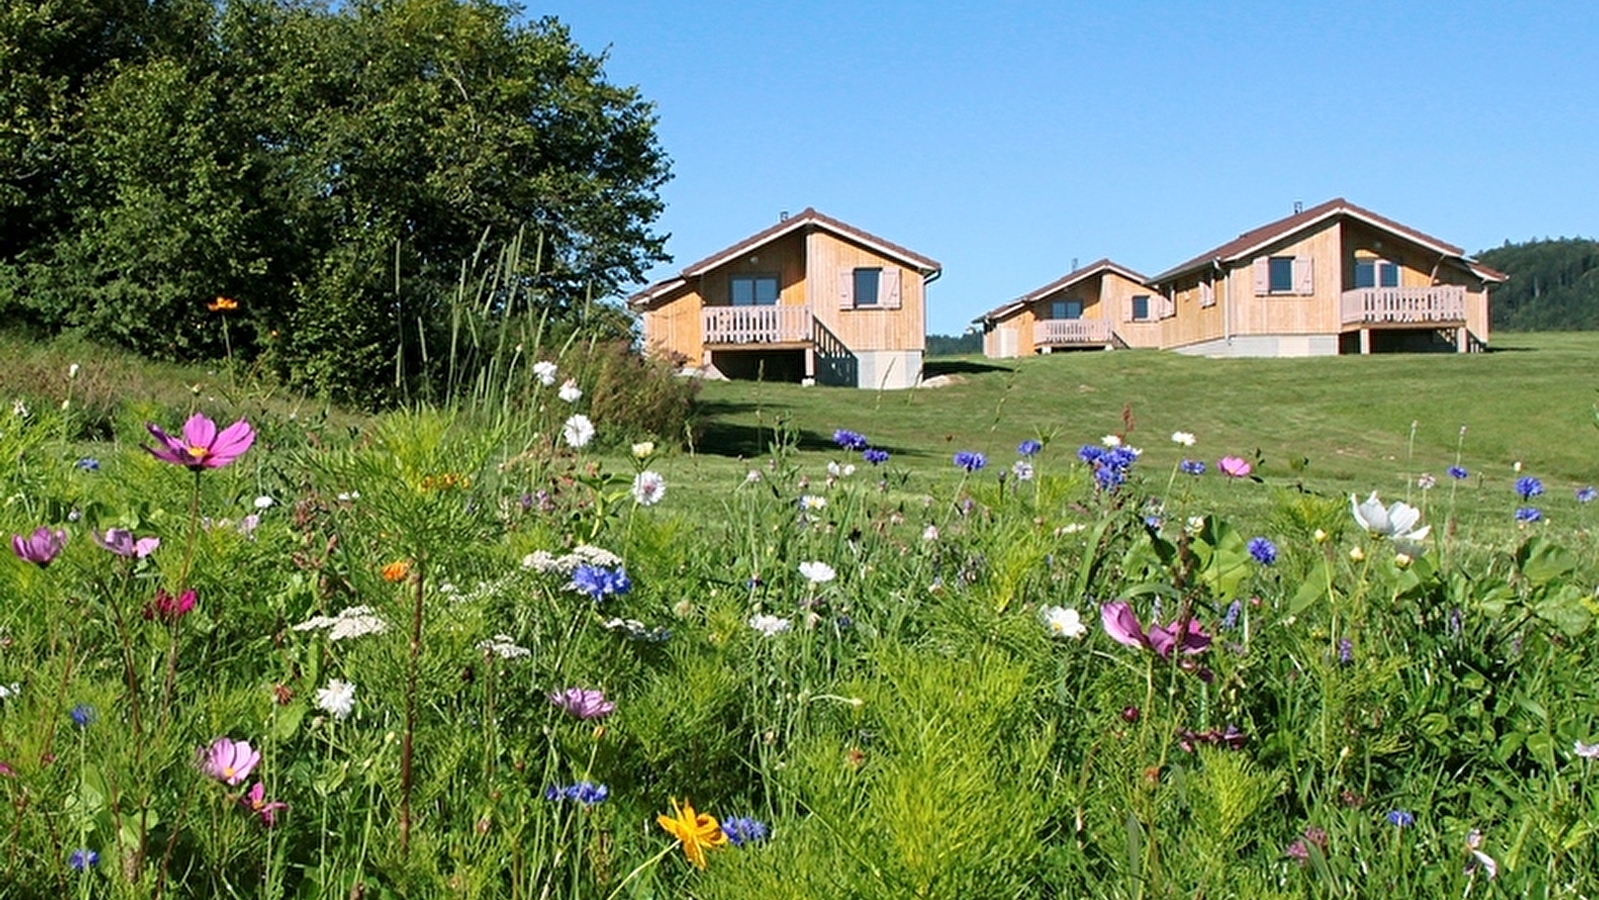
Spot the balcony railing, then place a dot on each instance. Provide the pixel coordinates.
(1439, 303)
(1066, 332)
(757, 324)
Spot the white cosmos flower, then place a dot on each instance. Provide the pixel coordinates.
(1586, 751)
(1182, 437)
(570, 392)
(812, 503)
(337, 699)
(648, 488)
(770, 625)
(817, 572)
(1395, 522)
(578, 431)
(1063, 622)
(545, 372)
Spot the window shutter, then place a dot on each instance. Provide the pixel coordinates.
(888, 290)
(1304, 282)
(1207, 294)
(1127, 309)
(846, 289)
(1168, 307)
(1262, 269)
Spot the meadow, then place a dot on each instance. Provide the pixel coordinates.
(1102, 625)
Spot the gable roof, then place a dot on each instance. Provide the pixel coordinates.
(1061, 283)
(808, 219)
(1251, 242)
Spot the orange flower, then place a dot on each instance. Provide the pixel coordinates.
(694, 831)
(397, 570)
(222, 304)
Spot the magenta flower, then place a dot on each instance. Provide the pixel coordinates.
(583, 703)
(266, 810)
(122, 542)
(201, 447)
(1233, 467)
(228, 761)
(41, 547)
(168, 608)
(1122, 624)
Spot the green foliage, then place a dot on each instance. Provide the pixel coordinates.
(1553, 286)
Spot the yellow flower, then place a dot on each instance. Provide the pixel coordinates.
(694, 831)
(222, 304)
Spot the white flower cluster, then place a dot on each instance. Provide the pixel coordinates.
(544, 562)
(350, 623)
(503, 646)
(768, 625)
(635, 630)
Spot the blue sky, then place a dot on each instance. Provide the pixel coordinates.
(1006, 140)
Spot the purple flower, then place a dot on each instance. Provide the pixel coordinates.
(874, 456)
(1121, 623)
(83, 859)
(1110, 464)
(584, 792)
(1263, 550)
(599, 582)
(87, 464)
(1400, 818)
(1457, 473)
(1528, 514)
(741, 830)
(256, 802)
(82, 715)
(122, 542)
(849, 440)
(1528, 487)
(1191, 467)
(1587, 494)
(201, 446)
(1346, 651)
(1229, 621)
(41, 547)
(228, 761)
(168, 608)
(1029, 448)
(970, 460)
(583, 703)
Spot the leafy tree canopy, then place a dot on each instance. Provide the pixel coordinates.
(1553, 286)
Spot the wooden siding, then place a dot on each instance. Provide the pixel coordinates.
(672, 327)
(863, 328)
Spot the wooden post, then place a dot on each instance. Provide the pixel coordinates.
(1365, 341)
(1462, 340)
(810, 365)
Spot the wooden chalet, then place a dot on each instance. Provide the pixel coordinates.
(809, 299)
(1098, 306)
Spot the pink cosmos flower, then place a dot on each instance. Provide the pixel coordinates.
(1233, 467)
(255, 801)
(122, 542)
(168, 608)
(228, 761)
(41, 547)
(1122, 624)
(583, 703)
(201, 447)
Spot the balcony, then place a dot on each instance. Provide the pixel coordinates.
(1405, 306)
(1071, 332)
(764, 325)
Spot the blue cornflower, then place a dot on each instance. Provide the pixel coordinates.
(82, 715)
(88, 464)
(1110, 464)
(1587, 494)
(1457, 472)
(970, 460)
(1229, 621)
(1029, 447)
(599, 582)
(1263, 550)
(1528, 487)
(1346, 651)
(741, 830)
(1400, 818)
(849, 440)
(584, 792)
(83, 859)
(1528, 514)
(875, 456)
(1191, 467)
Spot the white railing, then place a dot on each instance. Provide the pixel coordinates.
(757, 324)
(1055, 332)
(1440, 303)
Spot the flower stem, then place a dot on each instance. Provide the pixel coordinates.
(406, 741)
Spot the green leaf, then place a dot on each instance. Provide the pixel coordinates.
(1314, 588)
(1542, 562)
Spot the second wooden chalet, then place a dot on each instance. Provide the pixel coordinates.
(808, 299)
(1100, 305)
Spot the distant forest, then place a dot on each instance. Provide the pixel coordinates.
(1553, 286)
(955, 345)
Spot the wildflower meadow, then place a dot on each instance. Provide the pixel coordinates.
(445, 655)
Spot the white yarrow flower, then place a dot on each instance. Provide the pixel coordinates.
(570, 392)
(337, 699)
(503, 646)
(1183, 438)
(648, 488)
(817, 572)
(1062, 622)
(770, 625)
(545, 372)
(577, 431)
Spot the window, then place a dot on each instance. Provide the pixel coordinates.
(1281, 269)
(1141, 306)
(1370, 273)
(866, 281)
(753, 290)
(1387, 275)
(1066, 309)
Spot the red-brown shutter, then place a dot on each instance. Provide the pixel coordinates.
(889, 289)
(1304, 279)
(846, 289)
(1262, 270)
